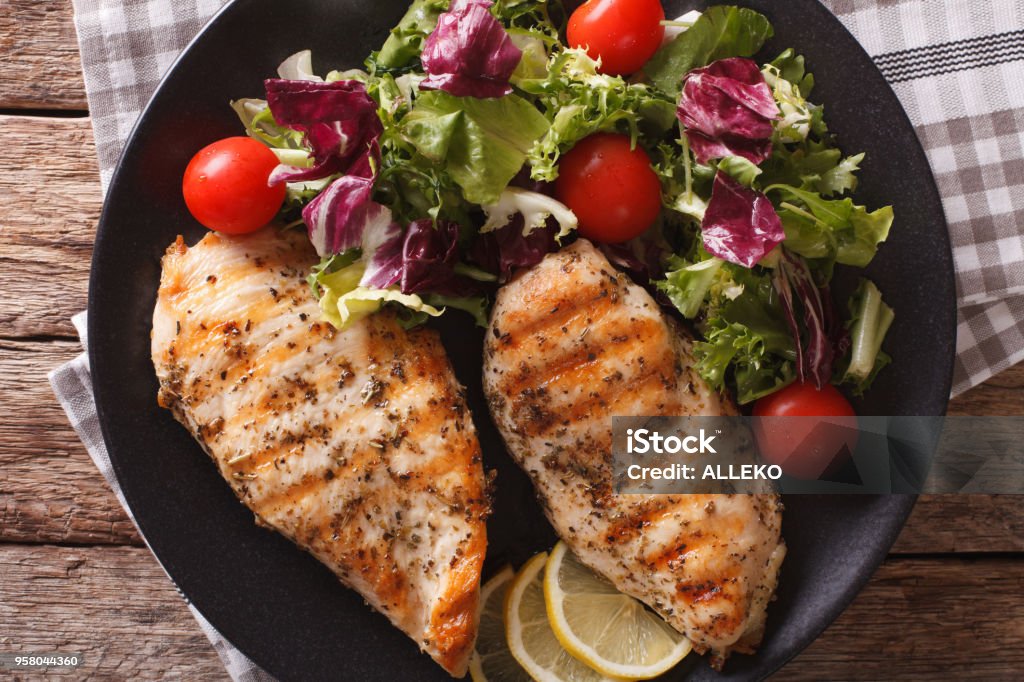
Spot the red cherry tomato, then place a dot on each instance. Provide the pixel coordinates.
(623, 33)
(611, 188)
(805, 448)
(225, 186)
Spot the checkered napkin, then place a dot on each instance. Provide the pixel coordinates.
(957, 66)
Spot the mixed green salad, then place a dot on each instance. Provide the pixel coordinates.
(482, 136)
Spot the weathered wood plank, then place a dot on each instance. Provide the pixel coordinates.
(42, 68)
(49, 489)
(49, 205)
(926, 619)
(947, 524)
(916, 618)
(113, 604)
(1002, 394)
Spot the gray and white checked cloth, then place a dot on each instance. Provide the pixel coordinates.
(957, 66)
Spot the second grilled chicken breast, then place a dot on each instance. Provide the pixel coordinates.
(357, 445)
(572, 342)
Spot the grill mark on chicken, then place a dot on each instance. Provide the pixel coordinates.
(563, 313)
(572, 343)
(356, 445)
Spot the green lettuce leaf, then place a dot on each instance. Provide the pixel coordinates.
(870, 319)
(328, 266)
(482, 143)
(260, 124)
(741, 170)
(685, 184)
(405, 42)
(476, 306)
(687, 284)
(813, 166)
(797, 114)
(841, 177)
(722, 31)
(534, 63)
(834, 229)
(335, 283)
(791, 67)
(539, 16)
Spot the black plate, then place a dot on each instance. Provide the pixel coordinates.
(277, 604)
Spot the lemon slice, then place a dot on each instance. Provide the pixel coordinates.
(611, 632)
(529, 634)
(491, 660)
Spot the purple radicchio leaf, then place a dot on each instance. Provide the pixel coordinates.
(420, 259)
(341, 215)
(815, 352)
(641, 257)
(469, 53)
(625, 258)
(834, 327)
(382, 254)
(339, 120)
(727, 109)
(740, 225)
(642, 260)
(505, 249)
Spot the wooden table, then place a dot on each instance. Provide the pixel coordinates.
(74, 575)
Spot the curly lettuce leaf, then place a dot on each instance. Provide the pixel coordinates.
(481, 142)
(684, 183)
(579, 101)
(798, 114)
(720, 32)
(746, 338)
(328, 266)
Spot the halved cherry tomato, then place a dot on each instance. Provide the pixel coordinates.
(225, 186)
(623, 33)
(806, 448)
(611, 188)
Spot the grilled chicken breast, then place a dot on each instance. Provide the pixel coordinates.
(357, 445)
(572, 342)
